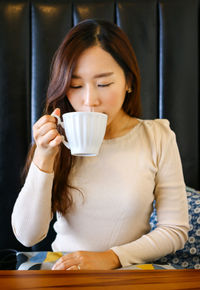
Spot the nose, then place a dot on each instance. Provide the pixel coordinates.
(90, 97)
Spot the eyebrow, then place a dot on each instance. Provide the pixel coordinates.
(95, 76)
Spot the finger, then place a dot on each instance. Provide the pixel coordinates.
(44, 129)
(64, 265)
(44, 119)
(56, 141)
(45, 140)
(65, 261)
(59, 267)
(74, 267)
(56, 112)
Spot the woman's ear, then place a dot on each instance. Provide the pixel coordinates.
(128, 84)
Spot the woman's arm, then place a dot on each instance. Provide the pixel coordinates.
(171, 204)
(32, 211)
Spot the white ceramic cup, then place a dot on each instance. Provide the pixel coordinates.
(84, 131)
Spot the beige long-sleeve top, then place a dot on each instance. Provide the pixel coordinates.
(118, 189)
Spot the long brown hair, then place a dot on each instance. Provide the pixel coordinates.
(87, 33)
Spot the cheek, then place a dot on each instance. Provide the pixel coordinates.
(115, 99)
(74, 100)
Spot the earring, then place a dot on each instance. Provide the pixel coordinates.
(129, 90)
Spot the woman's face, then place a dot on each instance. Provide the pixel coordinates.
(98, 84)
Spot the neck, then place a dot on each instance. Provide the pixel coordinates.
(120, 125)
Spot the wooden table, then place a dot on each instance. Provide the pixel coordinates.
(101, 280)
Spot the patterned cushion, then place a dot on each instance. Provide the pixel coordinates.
(189, 257)
(37, 260)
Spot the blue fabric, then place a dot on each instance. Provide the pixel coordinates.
(189, 257)
(40, 256)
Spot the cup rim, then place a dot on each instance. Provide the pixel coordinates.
(85, 113)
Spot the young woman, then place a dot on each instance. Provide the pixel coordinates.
(103, 203)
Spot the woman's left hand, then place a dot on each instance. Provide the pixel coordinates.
(83, 260)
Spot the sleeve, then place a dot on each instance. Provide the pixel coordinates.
(171, 204)
(32, 213)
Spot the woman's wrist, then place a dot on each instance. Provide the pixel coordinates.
(44, 163)
(115, 262)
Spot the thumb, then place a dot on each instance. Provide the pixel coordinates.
(56, 112)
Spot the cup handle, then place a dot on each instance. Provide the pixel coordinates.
(62, 125)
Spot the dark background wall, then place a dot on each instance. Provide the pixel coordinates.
(165, 36)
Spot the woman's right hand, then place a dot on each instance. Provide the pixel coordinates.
(47, 141)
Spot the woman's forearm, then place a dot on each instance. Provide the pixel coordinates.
(150, 247)
(32, 211)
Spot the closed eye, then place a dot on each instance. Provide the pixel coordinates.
(104, 85)
(75, 87)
